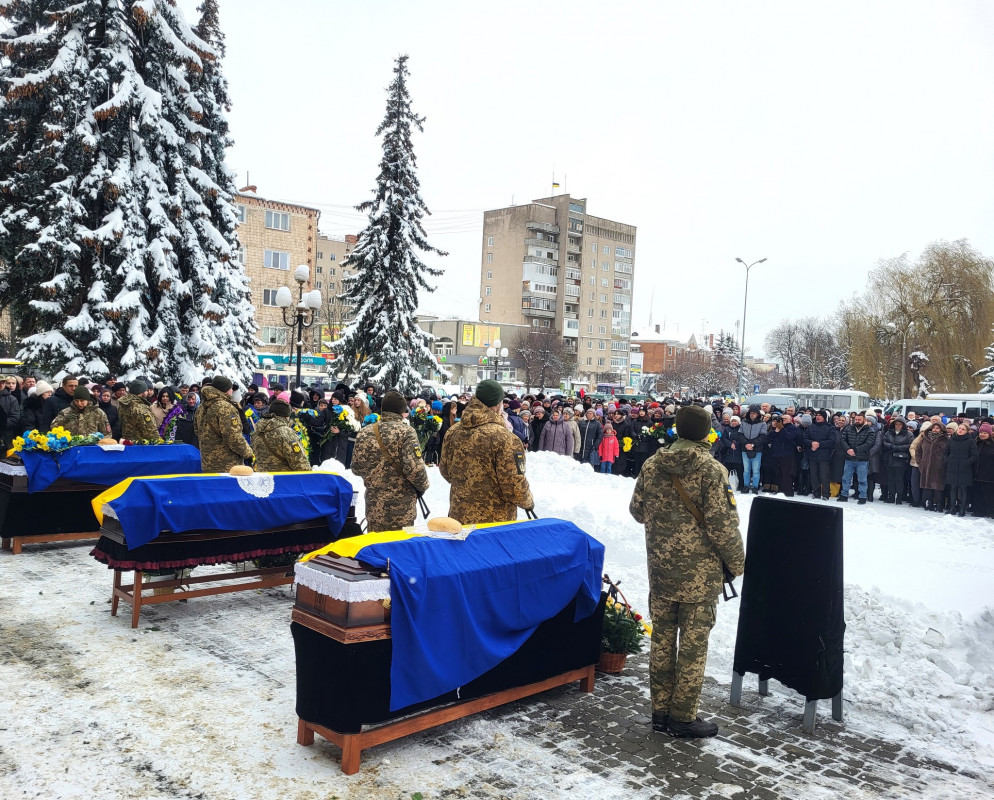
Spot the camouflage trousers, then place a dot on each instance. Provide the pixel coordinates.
(677, 656)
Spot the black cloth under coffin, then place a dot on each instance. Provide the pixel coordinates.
(345, 686)
(791, 620)
(196, 548)
(64, 507)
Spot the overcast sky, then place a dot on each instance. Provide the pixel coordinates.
(822, 137)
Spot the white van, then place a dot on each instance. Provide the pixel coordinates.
(945, 405)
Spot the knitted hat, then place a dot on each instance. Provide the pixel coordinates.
(221, 383)
(514, 405)
(671, 408)
(736, 418)
(984, 428)
(578, 408)
(951, 426)
(393, 402)
(805, 420)
(41, 387)
(279, 408)
(693, 423)
(81, 393)
(137, 387)
(297, 397)
(436, 405)
(913, 424)
(489, 392)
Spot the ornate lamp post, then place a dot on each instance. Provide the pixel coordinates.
(304, 314)
(496, 354)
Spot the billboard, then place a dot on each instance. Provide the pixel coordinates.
(480, 335)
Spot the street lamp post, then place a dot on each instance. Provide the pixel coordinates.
(904, 349)
(496, 353)
(304, 314)
(745, 305)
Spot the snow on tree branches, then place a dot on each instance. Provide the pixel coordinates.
(383, 344)
(116, 217)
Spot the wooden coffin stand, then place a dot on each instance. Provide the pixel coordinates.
(60, 513)
(339, 643)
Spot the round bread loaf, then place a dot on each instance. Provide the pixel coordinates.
(241, 469)
(107, 440)
(444, 524)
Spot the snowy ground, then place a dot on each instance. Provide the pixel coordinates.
(198, 702)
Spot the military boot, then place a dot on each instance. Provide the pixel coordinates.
(695, 729)
(659, 722)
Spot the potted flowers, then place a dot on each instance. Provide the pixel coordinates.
(622, 632)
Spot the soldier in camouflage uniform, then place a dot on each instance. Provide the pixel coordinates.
(395, 475)
(276, 444)
(218, 424)
(484, 463)
(685, 573)
(82, 417)
(137, 423)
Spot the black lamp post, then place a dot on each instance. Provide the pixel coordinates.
(745, 305)
(304, 314)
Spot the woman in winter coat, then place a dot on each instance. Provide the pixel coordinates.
(897, 459)
(591, 432)
(729, 454)
(960, 456)
(932, 466)
(31, 412)
(570, 420)
(983, 487)
(916, 474)
(163, 405)
(556, 436)
(784, 439)
(838, 463)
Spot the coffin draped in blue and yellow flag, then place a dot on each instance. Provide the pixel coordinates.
(147, 506)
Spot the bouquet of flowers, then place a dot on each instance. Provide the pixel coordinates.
(623, 629)
(370, 419)
(55, 441)
(345, 422)
(145, 442)
(425, 423)
(626, 444)
(660, 432)
(167, 430)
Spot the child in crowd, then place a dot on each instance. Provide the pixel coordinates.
(608, 448)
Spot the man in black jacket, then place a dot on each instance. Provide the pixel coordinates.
(61, 398)
(857, 440)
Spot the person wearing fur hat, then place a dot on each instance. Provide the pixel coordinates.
(685, 559)
(484, 463)
(218, 425)
(389, 460)
(83, 417)
(32, 410)
(276, 444)
(137, 422)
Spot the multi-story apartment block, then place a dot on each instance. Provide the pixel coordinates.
(332, 251)
(550, 264)
(274, 238)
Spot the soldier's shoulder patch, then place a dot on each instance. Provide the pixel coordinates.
(296, 448)
(519, 462)
(730, 495)
(417, 452)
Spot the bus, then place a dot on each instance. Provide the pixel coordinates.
(276, 369)
(832, 399)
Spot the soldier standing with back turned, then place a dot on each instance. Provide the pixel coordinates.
(218, 423)
(685, 567)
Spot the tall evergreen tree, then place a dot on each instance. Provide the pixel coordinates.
(383, 343)
(146, 281)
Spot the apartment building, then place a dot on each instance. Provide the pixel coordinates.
(275, 238)
(551, 264)
(331, 252)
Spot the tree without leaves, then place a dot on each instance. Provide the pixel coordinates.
(548, 359)
(383, 344)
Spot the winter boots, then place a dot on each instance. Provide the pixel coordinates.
(659, 722)
(696, 729)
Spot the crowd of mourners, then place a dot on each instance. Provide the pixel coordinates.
(938, 464)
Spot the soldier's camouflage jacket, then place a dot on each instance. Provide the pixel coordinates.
(685, 558)
(91, 419)
(137, 423)
(219, 430)
(277, 446)
(484, 464)
(391, 500)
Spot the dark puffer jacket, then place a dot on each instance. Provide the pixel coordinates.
(897, 445)
(960, 455)
(752, 430)
(827, 436)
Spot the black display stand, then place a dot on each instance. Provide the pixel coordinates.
(791, 621)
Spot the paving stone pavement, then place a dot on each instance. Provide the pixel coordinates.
(760, 752)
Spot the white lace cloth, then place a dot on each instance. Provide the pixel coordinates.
(12, 469)
(337, 589)
(259, 484)
(108, 511)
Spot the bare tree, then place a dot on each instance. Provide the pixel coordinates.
(547, 357)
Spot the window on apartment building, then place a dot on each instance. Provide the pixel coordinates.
(318, 285)
(490, 274)
(331, 270)
(269, 297)
(240, 212)
(590, 344)
(487, 308)
(669, 351)
(241, 255)
(603, 281)
(603, 313)
(590, 361)
(607, 249)
(590, 329)
(488, 291)
(490, 241)
(331, 288)
(276, 259)
(592, 295)
(590, 312)
(593, 281)
(320, 254)
(273, 334)
(601, 345)
(490, 258)
(602, 330)
(593, 264)
(331, 256)
(277, 220)
(605, 267)
(318, 269)
(603, 298)
(624, 252)
(600, 362)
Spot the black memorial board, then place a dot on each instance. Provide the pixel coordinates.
(791, 622)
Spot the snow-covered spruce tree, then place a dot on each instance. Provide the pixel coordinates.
(146, 250)
(986, 374)
(383, 343)
(48, 144)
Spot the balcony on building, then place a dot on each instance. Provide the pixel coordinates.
(549, 262)
(571, 327)
(547, 227)
(534, 305)
(549, 244)
(572, 248)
